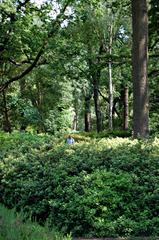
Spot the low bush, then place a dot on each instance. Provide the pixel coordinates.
(14, 227)
(106, 134)
(97, 187)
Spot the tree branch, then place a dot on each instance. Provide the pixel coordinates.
(105, 98)
(56, 25)
(153, 73)
(25, 72)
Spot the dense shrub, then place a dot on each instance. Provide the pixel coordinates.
(108, 133)
(97, 187)
(14, 226)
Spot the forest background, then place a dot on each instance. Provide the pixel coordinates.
(68, 66)
(73, 67)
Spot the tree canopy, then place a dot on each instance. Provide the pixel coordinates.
(71, 60)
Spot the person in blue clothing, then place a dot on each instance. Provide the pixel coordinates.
(70, 140)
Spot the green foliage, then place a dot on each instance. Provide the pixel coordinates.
(153, 16)
(14, 227)
(108, 185)
(26, 45)
(63, 73)
(108, 133)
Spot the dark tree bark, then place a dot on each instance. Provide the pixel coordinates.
(126, 109)
(95, 71)
(97, 105)
(139, 69)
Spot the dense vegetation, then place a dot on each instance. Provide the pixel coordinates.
(81, 67)
(14, 226)
(66, 65)
(96, 187)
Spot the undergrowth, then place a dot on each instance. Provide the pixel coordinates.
(98, 187)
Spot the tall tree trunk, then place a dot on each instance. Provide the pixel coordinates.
(6, 121)
(126, 109)
(87, 113)
(139, 68)
(95, 72)
(110, 81)
(97, 106)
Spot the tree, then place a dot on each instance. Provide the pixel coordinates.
(26, 31)
(100, 51)
(139, 68)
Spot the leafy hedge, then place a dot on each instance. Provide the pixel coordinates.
(97, 187)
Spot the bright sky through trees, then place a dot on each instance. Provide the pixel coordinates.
(39, 2)
(56, 10)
